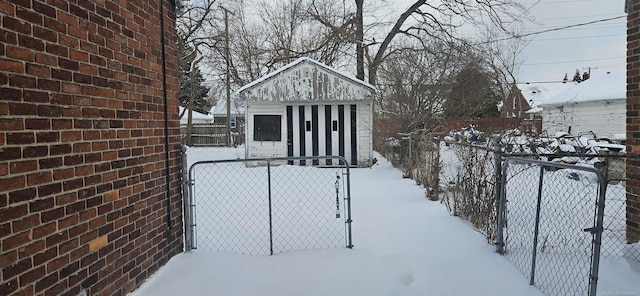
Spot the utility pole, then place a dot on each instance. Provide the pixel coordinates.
(227, 82)
(589, 69)
(587, 75)
(192, 66)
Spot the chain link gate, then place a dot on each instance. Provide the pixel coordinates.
(550, 223)
(264, 207)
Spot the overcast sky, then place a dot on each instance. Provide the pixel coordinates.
(601, 46)
(548, 56)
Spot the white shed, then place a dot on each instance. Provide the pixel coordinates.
(307, 108)
(595, 105)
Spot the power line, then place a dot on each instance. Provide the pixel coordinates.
(576, 17)
(554, 29)
(574, 61)
(570, 26)
(614, 26)
(540, 82)
(559, 2)
(582, 37)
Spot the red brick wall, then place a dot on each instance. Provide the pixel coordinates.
(633, 120)
(83, 174)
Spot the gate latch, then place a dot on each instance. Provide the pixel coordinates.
(593, 230)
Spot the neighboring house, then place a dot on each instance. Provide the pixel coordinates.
(524, 97)
(90, 162)
(196, 117)
(307, 108)
(219, 113)
(523, 102)
(597, 105)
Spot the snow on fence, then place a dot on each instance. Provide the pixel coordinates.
(264, 207)
(463, 175)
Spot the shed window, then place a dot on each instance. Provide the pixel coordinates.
(267, 128)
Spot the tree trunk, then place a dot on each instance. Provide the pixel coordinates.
(359, 40)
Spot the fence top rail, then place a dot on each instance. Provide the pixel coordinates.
(572, 154)
(342, 161)
(488, 147)
(545, 163)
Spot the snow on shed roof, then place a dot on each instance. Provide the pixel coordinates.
(300, 61)
(538, 93)
(597, 88)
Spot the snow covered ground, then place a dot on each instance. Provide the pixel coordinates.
(404, 245)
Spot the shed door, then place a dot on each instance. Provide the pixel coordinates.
(320, 130)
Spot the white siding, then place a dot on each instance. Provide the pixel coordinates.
(258, 149)
(604, 118)
(365, 131)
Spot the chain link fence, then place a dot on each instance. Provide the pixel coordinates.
(465, 173)
(265, 207)
(551, 220)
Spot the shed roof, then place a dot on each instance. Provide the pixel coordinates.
(597, 88)
(300, 61)
(539, 93)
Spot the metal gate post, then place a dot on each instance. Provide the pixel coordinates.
(192, 212)
(537, 228)
(597, 232)
(186, 201)
(270, 213)
(348, 200)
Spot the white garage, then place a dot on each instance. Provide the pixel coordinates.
(307, 108)
(597, 105)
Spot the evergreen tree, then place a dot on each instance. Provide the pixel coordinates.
(187, 75)
(472, 94)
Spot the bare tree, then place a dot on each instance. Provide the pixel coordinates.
(414, 98)
(192, 22)
(501, 53)
(282, 32)
(422, 19)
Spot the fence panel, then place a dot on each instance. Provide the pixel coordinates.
(468, 178)
(212, 135)
(264, 207)
(552, 224)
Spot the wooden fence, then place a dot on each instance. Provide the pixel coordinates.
(212, 135)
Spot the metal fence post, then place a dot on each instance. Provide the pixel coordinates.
(186, 200)
(270, 213)
(497, 155)
(537, 228)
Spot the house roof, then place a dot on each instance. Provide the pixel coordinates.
(194, 115)
(298, 62)
(597, 88)
(220, 108)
